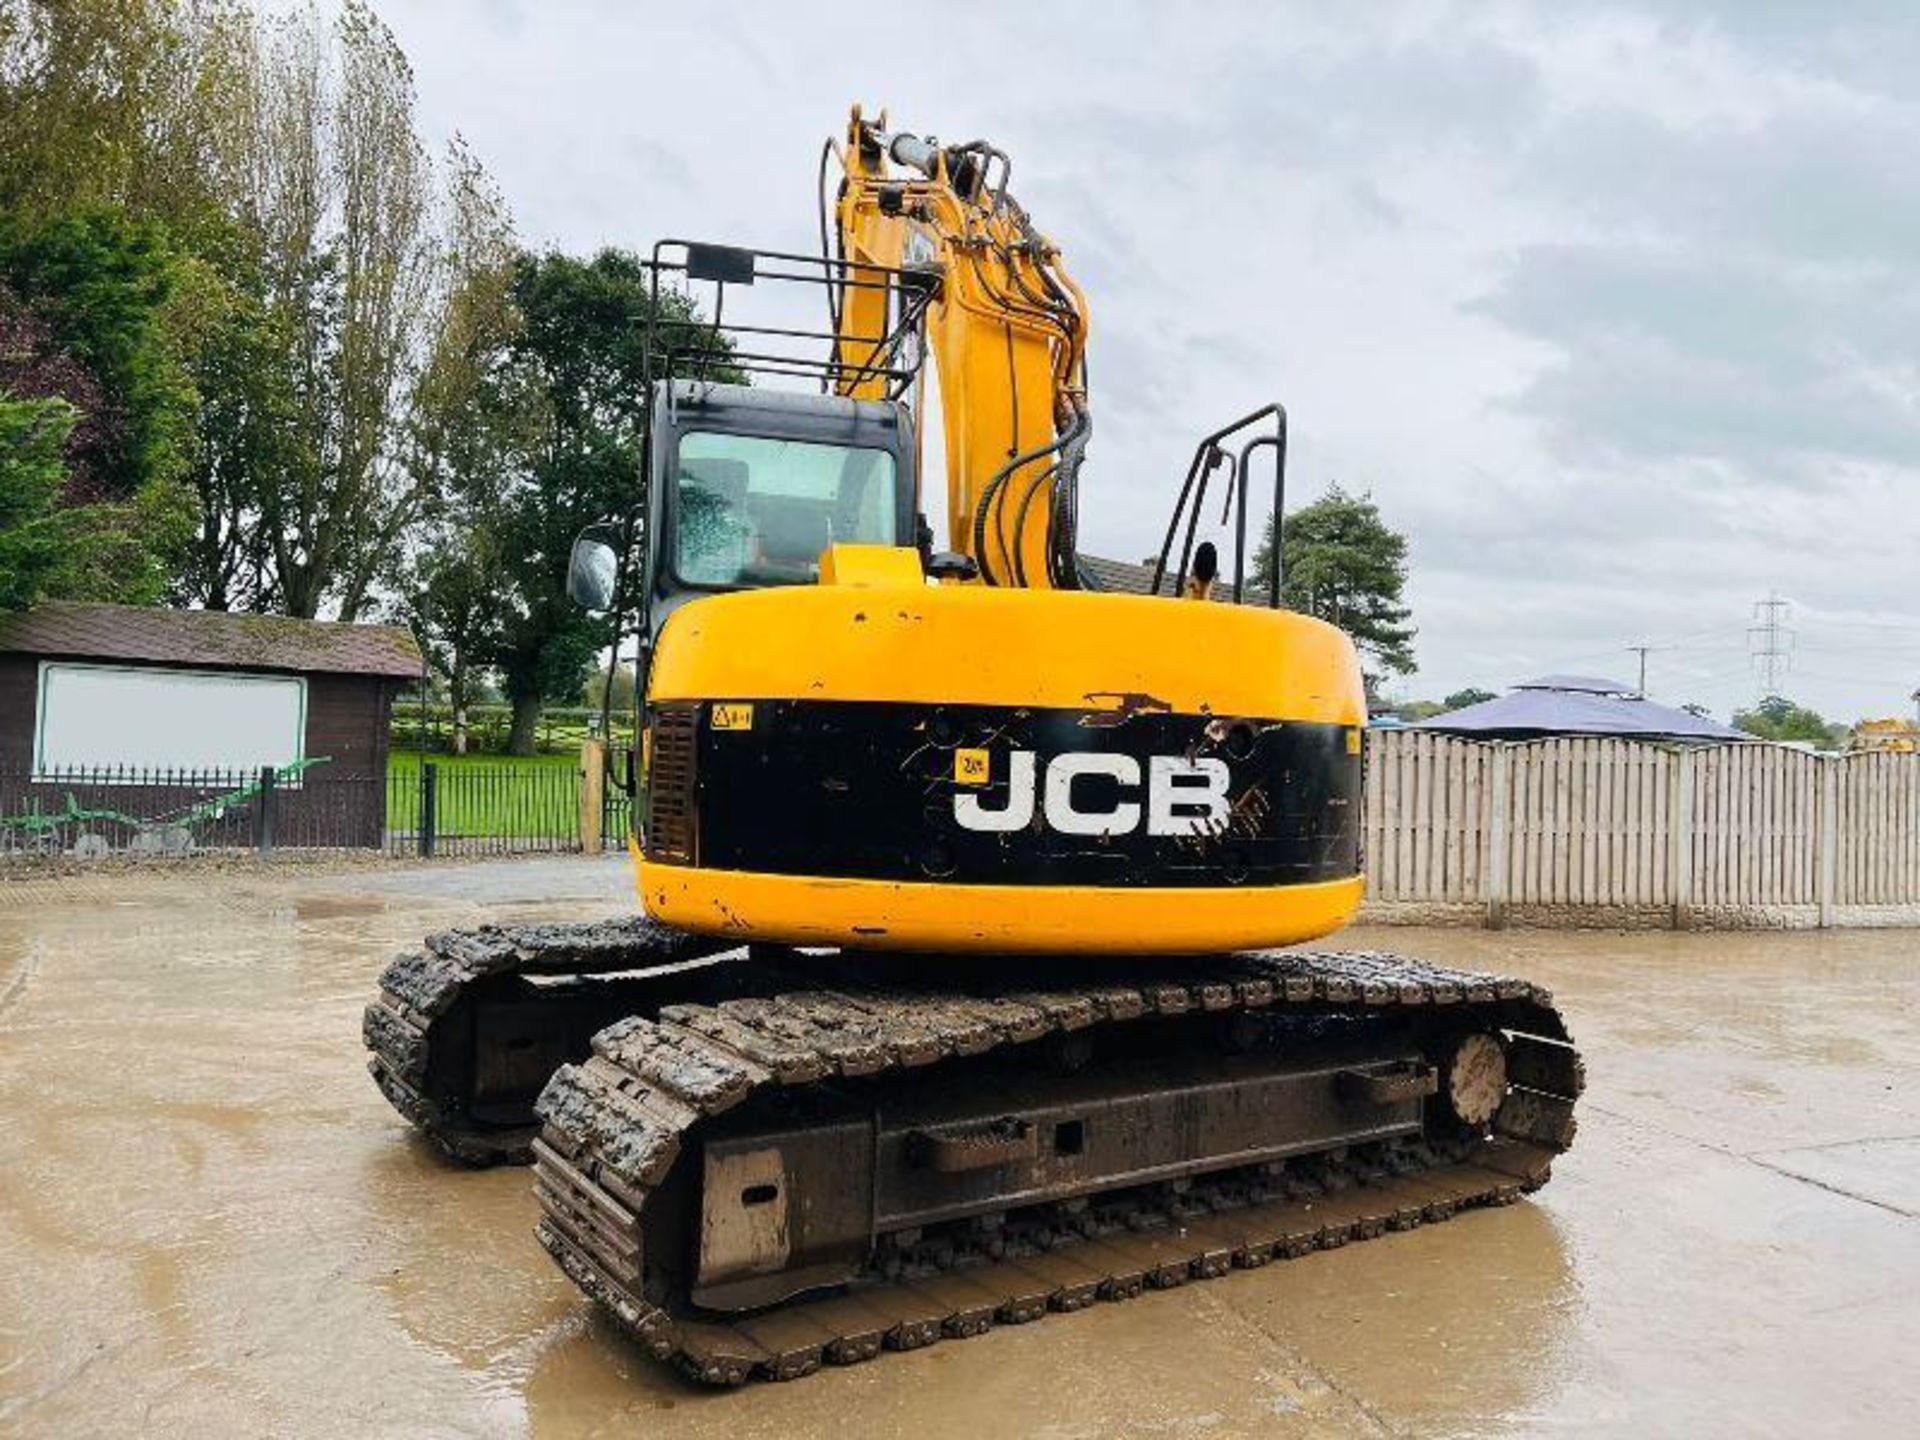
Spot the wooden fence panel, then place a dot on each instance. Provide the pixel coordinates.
(1590, 823)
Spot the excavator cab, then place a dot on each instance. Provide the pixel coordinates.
(753, 485)
(747, 485)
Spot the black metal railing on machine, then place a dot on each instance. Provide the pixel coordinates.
(416, 808)
(1264, 429)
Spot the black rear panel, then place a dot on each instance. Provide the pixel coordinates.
(992, 795)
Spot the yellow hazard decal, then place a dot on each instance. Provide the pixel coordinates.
(734, 716)
(1353, 740)
(972, 767)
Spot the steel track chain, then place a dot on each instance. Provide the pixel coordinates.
(615, 1126)
(419, 990)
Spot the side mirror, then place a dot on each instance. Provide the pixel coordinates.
(592, 570)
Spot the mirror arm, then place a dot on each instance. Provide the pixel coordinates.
(621, 565)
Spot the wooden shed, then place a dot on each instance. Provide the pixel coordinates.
(130, 699)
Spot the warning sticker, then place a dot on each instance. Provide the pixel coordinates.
(972, 767)
(732, 716)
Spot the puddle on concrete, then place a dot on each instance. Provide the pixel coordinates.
(336, 907)
(241, 1238)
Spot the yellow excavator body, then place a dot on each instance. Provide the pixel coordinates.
(875, 636)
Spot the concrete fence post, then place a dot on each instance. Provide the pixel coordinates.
(1827, 836)
(593, 793)
(1680, 837)
(1499, 827)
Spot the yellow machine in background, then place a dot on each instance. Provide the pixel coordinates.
(956, 999)
(1893, 735)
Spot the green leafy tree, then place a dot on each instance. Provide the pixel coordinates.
(454, 607)
(1778, 718)
(1472, 695)
(278, 158)
(105, 282)
(1344, 564)
(594, 693)
(248, 436)
(343, 218)
(96, 102)
(34, 539)
(575, 389)
(465, 442)
(83, 321)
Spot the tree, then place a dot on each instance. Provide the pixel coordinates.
(453, 605)
(116, 118)
(247, 435)
(465, 439)
(1777, 718)
(578, 386)
(105, 282)
(90, 99)
(1343, 564)
(594, 692)
(1472, 695)
(342, 213)
(86, 317)
(33, 536)
(280, 161)
(552, 443)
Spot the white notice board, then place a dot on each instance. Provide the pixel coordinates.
(95, 716)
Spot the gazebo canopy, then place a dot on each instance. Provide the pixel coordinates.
(1578, 705)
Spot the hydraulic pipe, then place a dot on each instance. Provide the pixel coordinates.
(914, 153)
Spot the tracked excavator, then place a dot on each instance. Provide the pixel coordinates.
(967, 984)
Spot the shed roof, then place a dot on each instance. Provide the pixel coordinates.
(214, 638)
(1579, 705)
(1119, 575)
(1127, 578)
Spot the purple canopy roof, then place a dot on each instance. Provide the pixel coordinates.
(1578, 705)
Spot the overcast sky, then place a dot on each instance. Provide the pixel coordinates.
(1616, 314)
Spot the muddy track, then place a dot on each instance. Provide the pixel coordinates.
(616, 1128)
(416, 1016)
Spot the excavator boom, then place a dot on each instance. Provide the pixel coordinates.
(1008, 335)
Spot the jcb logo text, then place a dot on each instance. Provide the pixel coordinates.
(1179, 796)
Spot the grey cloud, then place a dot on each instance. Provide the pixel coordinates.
(1263, 102)
(1833, 183)
(1870, 45)
(1669, 352)
(1741, 291)
(651, 162)
(1417, 95)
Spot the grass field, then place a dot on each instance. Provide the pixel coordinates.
(494, 795)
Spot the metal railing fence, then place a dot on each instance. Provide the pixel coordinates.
(424, 809)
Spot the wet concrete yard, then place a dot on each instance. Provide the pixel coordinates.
(212, 1224)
